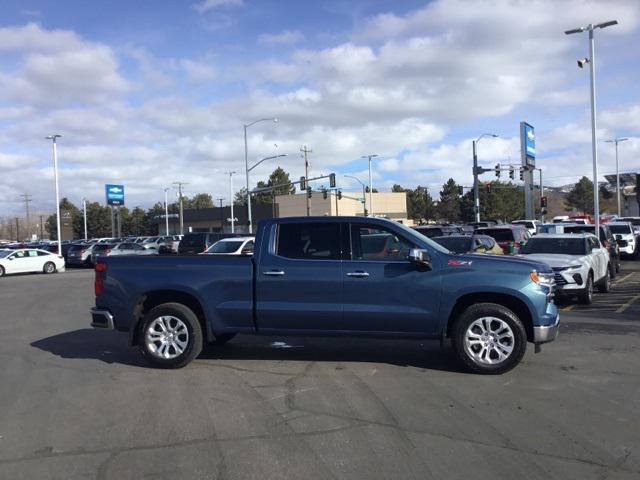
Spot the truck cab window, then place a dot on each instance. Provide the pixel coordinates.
(371, 242)
(309, 241)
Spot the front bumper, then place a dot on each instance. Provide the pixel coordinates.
(101, 318)
(546, 333)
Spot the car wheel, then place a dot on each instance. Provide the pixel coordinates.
(618, 265)
(605, 286)
(223, 338)
(586, 296)
(612, 270)
(489, 338)
(49, 267)
(1, 271)
(171, 336)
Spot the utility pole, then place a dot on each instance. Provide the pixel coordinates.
(180, 185)
(41, 228)
(370, 183)
(27, 199)
(616, 141)
(306, 173)
(17, 230)
(477, 171)
(166, 211)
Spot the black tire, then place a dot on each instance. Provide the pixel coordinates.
(464, 324)
(193, 339)
(605, 284)
(49, 267)
(586, 295)
(612, 269)
(1, 271)
(223, 338)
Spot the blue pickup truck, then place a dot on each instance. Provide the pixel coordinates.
(330, 276)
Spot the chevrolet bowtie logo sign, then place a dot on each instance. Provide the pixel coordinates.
(114, 194)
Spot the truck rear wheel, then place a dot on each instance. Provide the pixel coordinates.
(489, 338)
(171, 336)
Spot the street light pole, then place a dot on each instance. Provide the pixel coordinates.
(594, 141)
(166, 211)
(476, 172)
(246, 167)
(231, 200)
(84, 214)
(616, 141)
(370, 183)
(55, 174)
(364, 192)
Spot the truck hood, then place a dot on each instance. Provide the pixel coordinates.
(505, 260)
(555, 259)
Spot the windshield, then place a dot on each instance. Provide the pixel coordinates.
(102, 246)
(633, 221)
(225, 247)
(5, 253)
(499, 234)
(560, 245)
(620, 229)
(455, 244)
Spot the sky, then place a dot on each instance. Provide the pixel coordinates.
(152, 92)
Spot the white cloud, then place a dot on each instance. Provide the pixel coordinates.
(288, 37)
(209, 5)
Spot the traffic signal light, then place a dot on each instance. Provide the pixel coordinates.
(308, 192)
(339, 194)
(497, 170)
(324, 193)
(488, 185)
(303, 183)
(332, 180)
(522, 174)
(543, 202)
(460, 190)
(512, 174)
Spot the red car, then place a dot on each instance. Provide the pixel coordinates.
(509, 237)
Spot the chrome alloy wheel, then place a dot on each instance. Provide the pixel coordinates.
(489, 340)
(167, 337)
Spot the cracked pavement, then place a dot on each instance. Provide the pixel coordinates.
(79, 403)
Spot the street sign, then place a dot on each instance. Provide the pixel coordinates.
(528, 144)
(114, 194)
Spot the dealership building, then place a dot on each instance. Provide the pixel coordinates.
(389, 205)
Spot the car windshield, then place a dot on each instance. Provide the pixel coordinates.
(225, 247)
(455, 244)
(620, 229)
(5, 253)
(560, 245)
(633, 221)
(499, 234)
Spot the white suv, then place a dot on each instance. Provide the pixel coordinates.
(624, 231)
(578, 260)
(531, 225)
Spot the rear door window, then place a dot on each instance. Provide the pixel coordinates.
(374, 243)
(309, 241)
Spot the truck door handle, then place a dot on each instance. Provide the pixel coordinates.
(358, 274)
(274, 273)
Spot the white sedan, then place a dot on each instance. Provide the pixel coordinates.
(231, 246)
(28, 260)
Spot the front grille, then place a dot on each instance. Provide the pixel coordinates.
(560, 280)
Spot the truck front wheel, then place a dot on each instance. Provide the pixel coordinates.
(489, 338)
(171, 336)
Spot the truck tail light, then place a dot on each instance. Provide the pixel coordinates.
(98, 285)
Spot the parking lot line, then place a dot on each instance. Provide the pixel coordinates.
(624, 279)
(628, 304)
(568, 309)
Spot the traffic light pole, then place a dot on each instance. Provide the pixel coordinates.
(476, 190)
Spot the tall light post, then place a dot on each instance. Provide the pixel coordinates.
(246, 167)
(364, 192)
(84, 214)
(370, 182)
(55, 174)
(616, 141)
(594, 142)
(166, 210)
(233, 220)
(477, 171)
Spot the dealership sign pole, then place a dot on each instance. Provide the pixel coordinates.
(115, 198)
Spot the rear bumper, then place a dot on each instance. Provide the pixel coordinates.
(546, 333)
(101, 318)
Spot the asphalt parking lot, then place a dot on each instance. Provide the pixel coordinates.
(78, 403)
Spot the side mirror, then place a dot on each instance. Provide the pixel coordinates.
(623, 243)
(420, 257)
